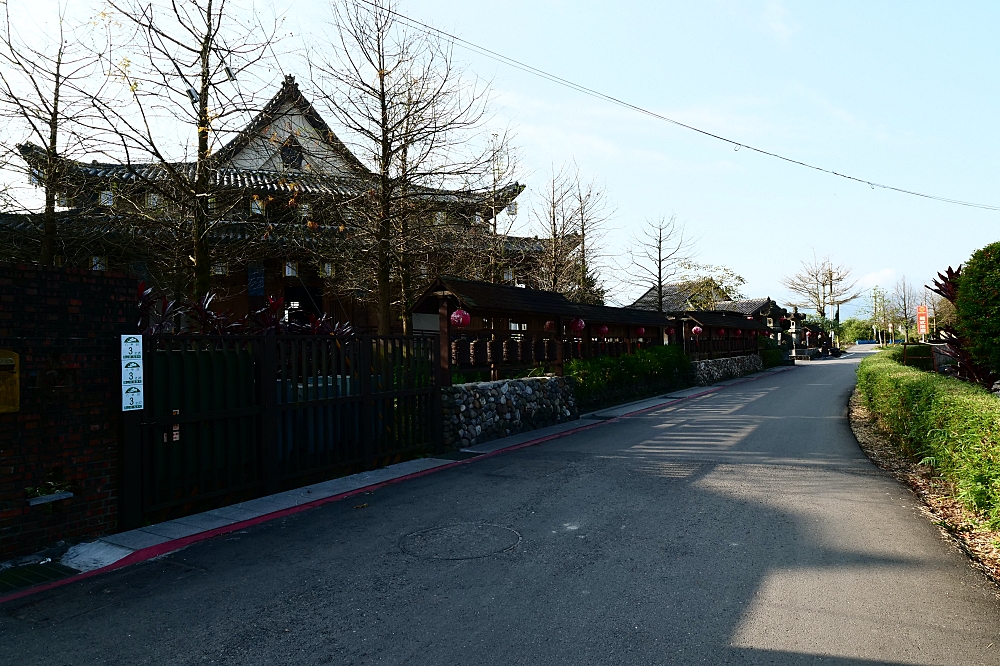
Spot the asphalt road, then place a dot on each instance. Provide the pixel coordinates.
(743, 527)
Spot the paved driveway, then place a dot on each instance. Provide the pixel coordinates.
(742, 527)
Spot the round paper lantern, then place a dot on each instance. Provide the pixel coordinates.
(641, 331)
(670, 331)
(720, 332)
(697, 330)
(808, 333)
(602, 330)
(460, 318)
(577, 325)
(738, 332)
(550, 325)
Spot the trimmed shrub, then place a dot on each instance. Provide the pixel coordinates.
(977, 304)
(772, 357)
(609, 380)
(948, 424)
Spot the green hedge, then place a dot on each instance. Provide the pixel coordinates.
(608, 380)
(948, 424)
(772, 357)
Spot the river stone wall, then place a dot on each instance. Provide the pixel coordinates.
(721, 369)
(483, 411)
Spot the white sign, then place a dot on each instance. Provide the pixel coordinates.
(131, 372)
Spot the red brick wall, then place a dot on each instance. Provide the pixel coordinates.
(64, 324)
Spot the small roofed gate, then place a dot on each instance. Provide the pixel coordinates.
(505, 330)
(229, 418)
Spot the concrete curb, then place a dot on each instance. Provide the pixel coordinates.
(158, 540)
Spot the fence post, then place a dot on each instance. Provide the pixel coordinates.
(367, 402)
(131, 471)
(270, 458)
(437, 417)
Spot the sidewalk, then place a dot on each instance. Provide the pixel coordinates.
(118, 550)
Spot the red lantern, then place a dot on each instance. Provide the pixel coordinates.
(460, 318)
(670, 331)
(577, 325)
(602, 330)
(808, 333)
(697, 330)
(738, 332)
(641, 331)
(721, 332)
(550, 326)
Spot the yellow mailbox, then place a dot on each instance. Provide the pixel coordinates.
(10, 382)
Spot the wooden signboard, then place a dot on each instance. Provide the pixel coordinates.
(10, 382)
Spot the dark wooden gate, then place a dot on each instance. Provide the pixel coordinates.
(229, 418)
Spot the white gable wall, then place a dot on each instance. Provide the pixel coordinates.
(264, 151)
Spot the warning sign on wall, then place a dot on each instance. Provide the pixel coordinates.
(131, 372)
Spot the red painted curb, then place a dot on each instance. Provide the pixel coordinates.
(150, 552)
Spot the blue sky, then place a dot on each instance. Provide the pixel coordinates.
(898, 93)
(903, 94)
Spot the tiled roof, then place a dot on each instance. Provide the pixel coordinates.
(675, 297)
(750, 306)
(482, 297)
(719, 319)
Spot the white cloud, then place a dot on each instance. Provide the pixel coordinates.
(776, 21)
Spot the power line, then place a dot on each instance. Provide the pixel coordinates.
(517, 64)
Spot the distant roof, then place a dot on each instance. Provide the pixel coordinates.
(676, 297)
(749, 306)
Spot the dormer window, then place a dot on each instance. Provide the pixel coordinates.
(291, 153)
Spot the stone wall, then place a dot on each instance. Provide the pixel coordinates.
(64, 324)
(480, 412)
(721, 369)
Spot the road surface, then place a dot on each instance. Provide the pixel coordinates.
(741, 527)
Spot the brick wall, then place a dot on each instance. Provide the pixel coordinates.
(64, 324)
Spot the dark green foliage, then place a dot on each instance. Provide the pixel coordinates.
(919, 356)
(952, 425)
(609, 380)
(977, 306)
(772, 357)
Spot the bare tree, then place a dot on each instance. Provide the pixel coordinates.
(180, 65)
(591, 212)
(553, 215)
(45, 93)
(415, 119)
(658, 255)
(904, 305)
(821, 284)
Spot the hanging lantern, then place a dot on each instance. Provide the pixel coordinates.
(577, 325)
(460, 318)
(670, 331)
(721, 332)
(550, 326)
(738, 332)
(697, 330)
(602, 330)
(640, 331)
(808, 333)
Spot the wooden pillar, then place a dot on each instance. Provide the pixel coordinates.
(559, 347)
(444, 333)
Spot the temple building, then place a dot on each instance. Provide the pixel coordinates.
(284, 212)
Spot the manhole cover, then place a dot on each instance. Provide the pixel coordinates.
(462, 541)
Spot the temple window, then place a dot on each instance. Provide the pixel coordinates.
(291, 153)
